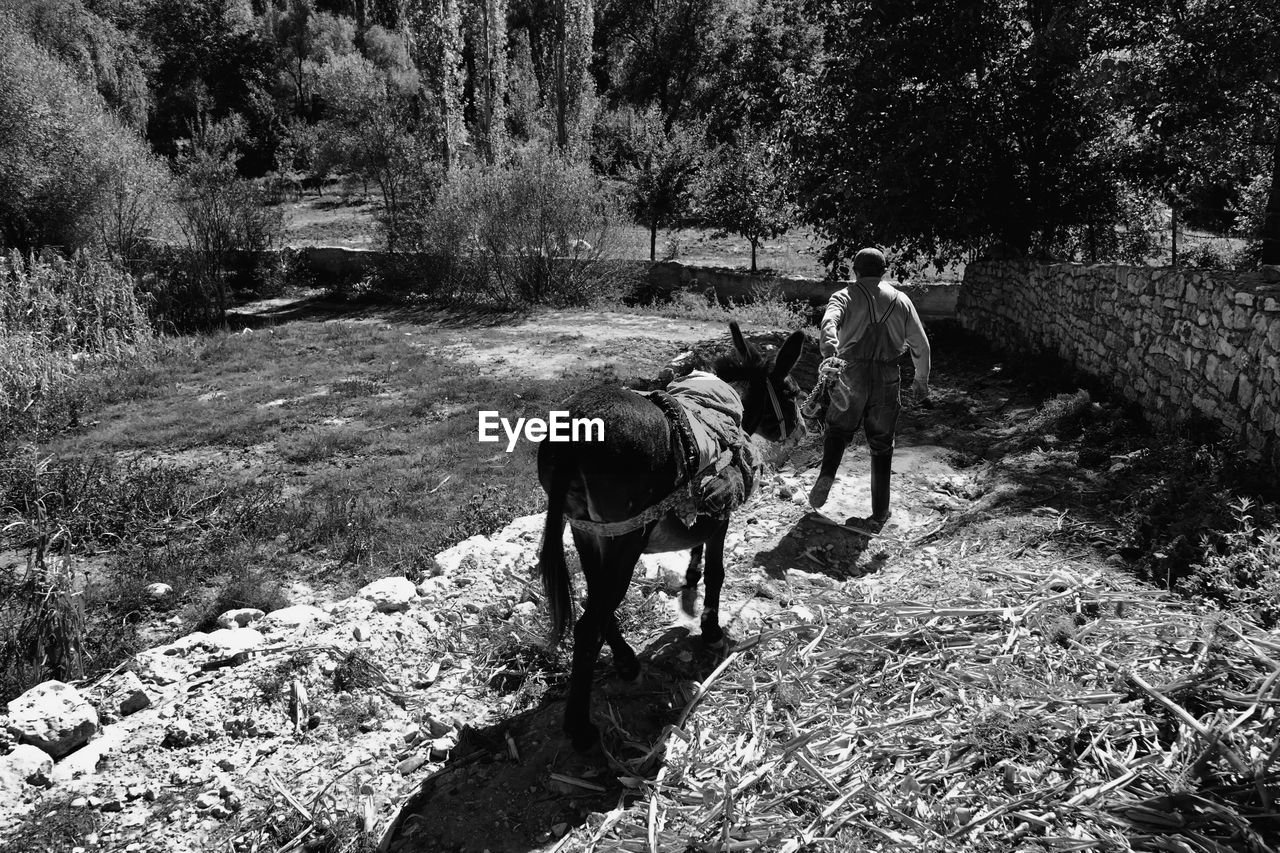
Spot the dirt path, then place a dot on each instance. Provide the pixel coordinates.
(784, 561)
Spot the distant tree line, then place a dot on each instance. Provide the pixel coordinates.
(942, 129)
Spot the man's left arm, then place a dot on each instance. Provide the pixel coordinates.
(921, 355)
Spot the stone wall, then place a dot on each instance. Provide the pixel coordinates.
(1178, 343)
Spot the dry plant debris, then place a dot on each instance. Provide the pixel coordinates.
(1060, 711)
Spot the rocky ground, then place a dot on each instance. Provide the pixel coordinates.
(426, 717)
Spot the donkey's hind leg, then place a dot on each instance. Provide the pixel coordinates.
(607, 566)
(692, 575)
(624, 657)
(712, 634)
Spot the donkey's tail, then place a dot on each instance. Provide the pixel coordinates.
(555, 573)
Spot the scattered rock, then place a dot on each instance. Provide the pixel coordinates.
(158, 668)
(179, 733)
(294, 617)
(231, 641)
(410, 764)
(53, 716)
(389, 595)
(361, 633)
(241, 617)
(26, 765)
(442, 746)
(126, 695)
(159, 591)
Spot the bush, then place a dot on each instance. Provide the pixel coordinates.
(227, 225)
(1240, 567)
(73, 175)
(533, 228)
(59, 317)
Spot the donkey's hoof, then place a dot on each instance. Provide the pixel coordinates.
(715, 640)
(629, 672)
(584, 738)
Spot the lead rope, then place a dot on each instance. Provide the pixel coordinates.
(815, 404)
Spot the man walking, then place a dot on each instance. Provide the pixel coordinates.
(869, 325)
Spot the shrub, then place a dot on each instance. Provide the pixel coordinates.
(533, 228)
(42, 626)
(227, 225)
(59, 317)
(1240, 565)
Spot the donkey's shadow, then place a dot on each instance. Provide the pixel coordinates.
(517, 785)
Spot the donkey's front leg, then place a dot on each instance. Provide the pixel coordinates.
(712, 635)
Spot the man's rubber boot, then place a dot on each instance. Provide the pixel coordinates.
(881, 468)
(833, 446)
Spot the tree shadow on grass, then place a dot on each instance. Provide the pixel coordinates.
(517, 785)
(322, 306)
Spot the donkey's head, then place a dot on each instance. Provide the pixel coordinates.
(768, 394)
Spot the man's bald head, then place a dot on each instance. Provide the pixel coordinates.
(869, 262)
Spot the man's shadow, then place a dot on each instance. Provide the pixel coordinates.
(516, 785)
(818, 545)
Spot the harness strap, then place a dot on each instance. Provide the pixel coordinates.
(682, 492)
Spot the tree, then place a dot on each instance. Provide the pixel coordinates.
(1206, 89)
(660, 180)
(487, 35)
(101, 55)
(946, 128)
(73, 175)
(210, 62)
(571, 89)
(761, 49)
(435, 43)
(372, 131)
(744, 191)
(665, 48)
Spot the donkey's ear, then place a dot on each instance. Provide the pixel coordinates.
(789, 354)
(739, 341)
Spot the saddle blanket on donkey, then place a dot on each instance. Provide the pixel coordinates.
(722, 464)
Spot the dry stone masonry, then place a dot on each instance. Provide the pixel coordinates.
(1178, 343)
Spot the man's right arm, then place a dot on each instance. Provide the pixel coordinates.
(831, 318)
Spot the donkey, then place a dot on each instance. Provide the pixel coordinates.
(633, 469)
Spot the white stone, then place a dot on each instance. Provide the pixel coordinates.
(241, 617)
(361, 633)
(389, 595)
(26, 765)
(449, 559)
(159, 591)
(125, 694)
(295, 616)
(230, 641)
(53, 716)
